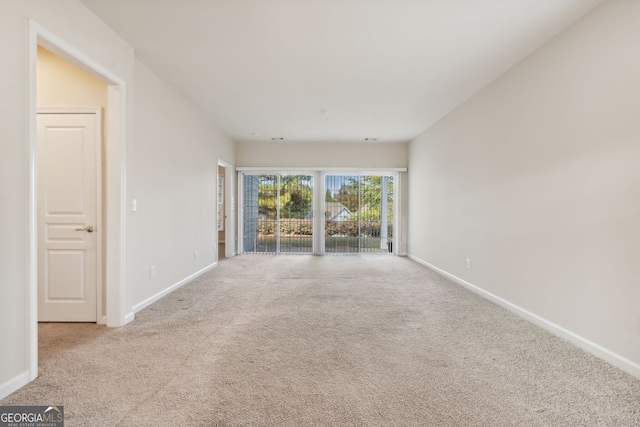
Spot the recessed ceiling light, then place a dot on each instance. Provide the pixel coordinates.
(371, 139)
(277, 139)
(255, 134)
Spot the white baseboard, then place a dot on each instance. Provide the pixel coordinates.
(8, 387)
(146, 303)
(605, 354)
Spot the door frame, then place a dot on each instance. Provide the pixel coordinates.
(97, 111)
(114, 197)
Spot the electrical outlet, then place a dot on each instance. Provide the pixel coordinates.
(468, 264)
(152, 271)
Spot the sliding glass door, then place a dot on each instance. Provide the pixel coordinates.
(355, 213)
(358, 213)
(278, 214)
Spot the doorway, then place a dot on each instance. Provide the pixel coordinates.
(225, 211)
(69, 191)
(221, 213)
(113, 311)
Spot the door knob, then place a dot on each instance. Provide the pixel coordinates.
(88, 229)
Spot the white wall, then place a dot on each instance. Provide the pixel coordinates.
(536, 180)
(171, 166)
(319, 155)
(173, 169)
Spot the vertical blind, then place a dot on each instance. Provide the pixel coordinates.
(357, 217)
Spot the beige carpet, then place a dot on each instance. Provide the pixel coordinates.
(325, 341)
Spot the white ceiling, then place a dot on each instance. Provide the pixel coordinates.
(385, 69)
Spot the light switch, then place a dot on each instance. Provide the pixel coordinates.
(134, 205)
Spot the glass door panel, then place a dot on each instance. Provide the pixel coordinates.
(359, 213)
(296, 213)
(341, 202)
(278, 214)
(260, 213)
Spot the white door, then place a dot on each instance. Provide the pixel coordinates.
(68, 156)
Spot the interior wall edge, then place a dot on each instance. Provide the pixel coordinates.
(128, 318)
(596, 350)
(14, 384)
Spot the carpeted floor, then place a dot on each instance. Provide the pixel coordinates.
(325, 341)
